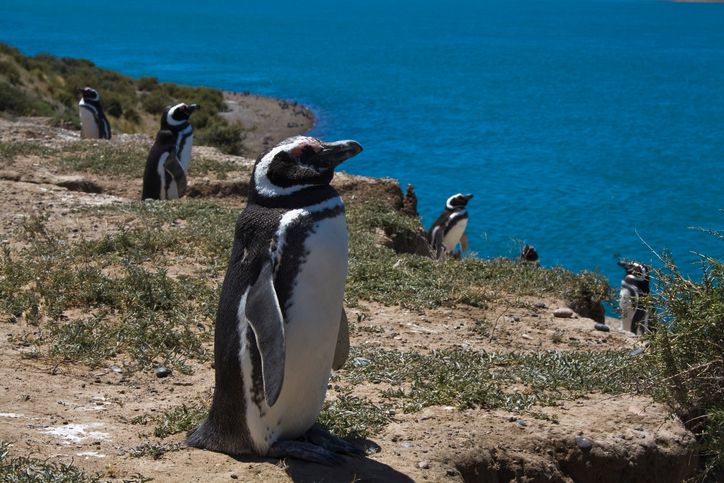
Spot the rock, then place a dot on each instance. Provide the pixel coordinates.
(601, 327)
(636, 352)
(162, 371)
(584, 443)
(540, 305)
(423, 465)
(521, 423)
(409, 202)
(563, 313)
(360, 361)
(116, 369)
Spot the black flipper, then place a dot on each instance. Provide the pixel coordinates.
(266, 320)
(175, 170)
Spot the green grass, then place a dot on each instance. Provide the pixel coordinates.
(379, 274)
(10, 151)
(179, 419)
(154, 450)
(21, 469)
(471, 379)
(349, 416)
(120, 295)
(126, 159)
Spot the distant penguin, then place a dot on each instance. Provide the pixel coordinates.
(176, 119)
(529, 254)
(164, 178)
(449, 229)
(634, 287)
(279, 313)
(93, 122)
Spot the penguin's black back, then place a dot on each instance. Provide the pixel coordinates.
(443, 220)
(165, 142)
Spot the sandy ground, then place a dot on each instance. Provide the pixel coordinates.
(272, 120)
(70, 413)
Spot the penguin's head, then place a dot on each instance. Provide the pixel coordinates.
(457, 201)
(90, 94)
(529, 253)
(177, 116)
(636, 269)
(300, 162)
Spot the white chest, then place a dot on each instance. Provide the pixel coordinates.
(311, 326)
(88, 127)
(453, 236)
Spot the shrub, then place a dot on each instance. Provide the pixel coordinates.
(227, 137)
(689, 350)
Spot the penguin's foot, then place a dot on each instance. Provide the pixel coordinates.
(304, 451)
(318, 446)
(320, 436)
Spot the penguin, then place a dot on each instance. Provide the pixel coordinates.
(449, 229)
(93, 122)
(529, 254)
(634, 287)
(164, 178)
(279, 313)
(176, 119)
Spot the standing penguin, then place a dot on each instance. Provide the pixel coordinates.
(176, 119)
(449, 229)
(634, 287)
(279, 313)
(93, 122)
(164, 178)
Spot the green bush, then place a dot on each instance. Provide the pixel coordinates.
(689, 351)
(227, 137)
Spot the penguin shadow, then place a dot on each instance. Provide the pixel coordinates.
(357, 469)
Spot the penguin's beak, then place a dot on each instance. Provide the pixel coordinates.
(622, 264)
(193, 108)
(468, 197)
(334, 153)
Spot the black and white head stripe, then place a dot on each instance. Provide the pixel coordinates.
(636, 279)
(177, 116)
(90, 95)
(299, 163)
(457, 201)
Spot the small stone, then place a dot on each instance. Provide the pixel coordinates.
(407, 444)
(423, 465)
(162, 371)
(234, 476)
(521, 423)
(601, 327)
(584, 443)
(539, 305)
(360, 361)
(636, 352)
(116, 369)
(563, 313)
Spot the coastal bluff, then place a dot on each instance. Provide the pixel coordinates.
(458, 371)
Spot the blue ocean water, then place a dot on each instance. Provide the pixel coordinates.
(582, 126)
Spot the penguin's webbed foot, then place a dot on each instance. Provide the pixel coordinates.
(304, 451)
(320, 436)
(318, 446)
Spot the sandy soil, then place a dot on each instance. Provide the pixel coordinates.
(272, 120)
(70, 413)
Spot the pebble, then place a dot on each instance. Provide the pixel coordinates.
(539, 305)
(563, 313)
(360, 361)
(116, 369)
(521, 423)
(602, 327)
(584, 443)
(162, 371)
(636, 352)
(407, 444)
(423, 465)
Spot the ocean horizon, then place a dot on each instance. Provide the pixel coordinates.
(592, 130)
